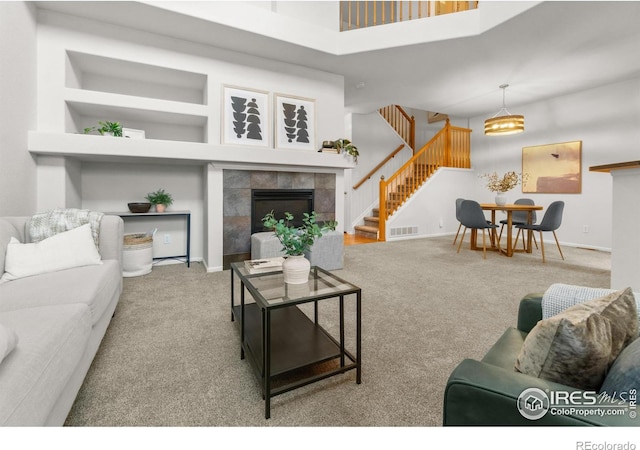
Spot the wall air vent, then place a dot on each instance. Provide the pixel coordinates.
(403, 231)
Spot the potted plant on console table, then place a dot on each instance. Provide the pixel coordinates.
(160, 198)
(296, 241)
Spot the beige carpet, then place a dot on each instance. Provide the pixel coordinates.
(171, 356)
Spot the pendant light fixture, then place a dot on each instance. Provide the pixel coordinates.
(503, 123)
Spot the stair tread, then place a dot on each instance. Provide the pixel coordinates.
(372, 219)
(366, 228)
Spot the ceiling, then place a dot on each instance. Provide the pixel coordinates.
(552, 49)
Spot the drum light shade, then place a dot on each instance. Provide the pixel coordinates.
(503, 123)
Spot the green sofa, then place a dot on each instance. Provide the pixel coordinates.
(486, 392)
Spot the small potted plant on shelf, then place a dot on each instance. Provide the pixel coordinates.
(160, 198)
(346, 146)
(296, 241)
(106, 128)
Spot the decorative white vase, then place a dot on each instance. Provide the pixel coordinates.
(296, 269)
(501, 199)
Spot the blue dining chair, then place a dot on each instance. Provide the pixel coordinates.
(551, 221)
(520, 218)
(472, 216)
(458, 203)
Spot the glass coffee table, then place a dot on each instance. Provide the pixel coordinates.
(287, 347)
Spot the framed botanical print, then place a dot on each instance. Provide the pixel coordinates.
(245, 117)
(552, 168)
(295, 125)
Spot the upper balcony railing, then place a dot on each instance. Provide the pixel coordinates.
(363, 14)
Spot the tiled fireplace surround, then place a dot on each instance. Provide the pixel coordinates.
(237, 203)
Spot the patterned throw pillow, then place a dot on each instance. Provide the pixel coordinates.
(577, 346)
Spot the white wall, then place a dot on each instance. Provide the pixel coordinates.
(375, 140)
(605, 119)
(324, 13)
(18, 110)
(425, 130)
(431, 211)
(625, 255)
(110, 186)
(58, 33)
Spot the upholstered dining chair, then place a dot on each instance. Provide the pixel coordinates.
(458, 203)
(551, 221)
(472, 216)
(519, 218)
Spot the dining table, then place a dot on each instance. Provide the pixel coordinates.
(508, 208)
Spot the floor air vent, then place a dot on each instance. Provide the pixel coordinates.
(404, 231)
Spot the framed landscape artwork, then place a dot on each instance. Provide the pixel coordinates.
(552, 168)
(245, 117)
(295, 122)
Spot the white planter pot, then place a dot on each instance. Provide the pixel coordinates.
(296, 269)
(501, 199)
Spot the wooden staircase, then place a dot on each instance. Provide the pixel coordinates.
(450, 147)
(371, 225)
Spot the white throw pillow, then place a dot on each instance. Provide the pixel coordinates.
(8, 341)
(73, 248)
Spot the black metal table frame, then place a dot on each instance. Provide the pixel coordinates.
(266, 310)
(187, 216)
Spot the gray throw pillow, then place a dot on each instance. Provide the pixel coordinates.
(624, 375)
(577, 346)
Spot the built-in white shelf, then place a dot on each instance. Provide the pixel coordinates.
(141, 108)
(160, 119)
(167, 103)
(116, 149)
(100, 73)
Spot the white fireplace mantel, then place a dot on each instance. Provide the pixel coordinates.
(95, 148)
(59, 168)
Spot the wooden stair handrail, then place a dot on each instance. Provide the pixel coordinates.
(376, 168)
(450, 147)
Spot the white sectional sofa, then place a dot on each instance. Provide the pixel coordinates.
(59, 319)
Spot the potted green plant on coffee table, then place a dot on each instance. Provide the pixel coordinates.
(160, 199)
(296, 241)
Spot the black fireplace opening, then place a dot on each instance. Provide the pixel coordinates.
(294, 201)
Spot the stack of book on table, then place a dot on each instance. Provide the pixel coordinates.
(264, 264)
